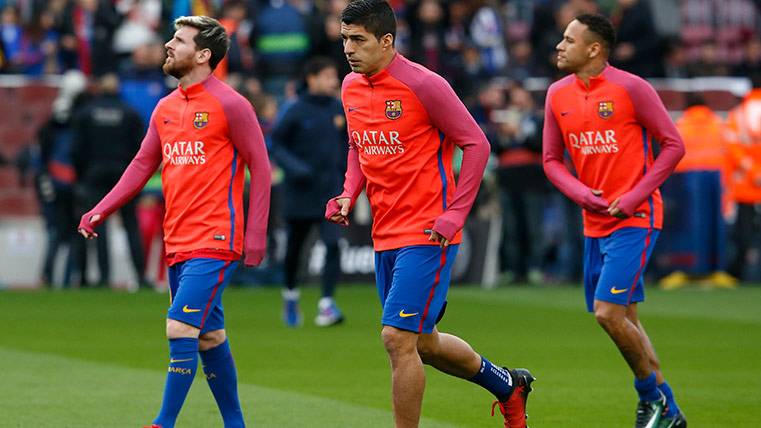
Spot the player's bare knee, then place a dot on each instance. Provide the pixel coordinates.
(398, 342)
(211, 339)
(178, 329)
(607, 317)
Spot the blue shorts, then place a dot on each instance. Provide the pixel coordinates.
(613, 265)
(195, 288)
(412, 285)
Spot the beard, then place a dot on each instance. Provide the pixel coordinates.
(177, 69)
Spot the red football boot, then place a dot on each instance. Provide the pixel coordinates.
(514, 408)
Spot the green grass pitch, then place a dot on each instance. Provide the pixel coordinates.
(98, 359)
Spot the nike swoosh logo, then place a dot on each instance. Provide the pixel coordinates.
(351, 109)
(172, 360)
(564, 113)
(615, 290)
(406, 315)
(188, 310)
(166, 121)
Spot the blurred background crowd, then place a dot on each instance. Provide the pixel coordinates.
(497, 54)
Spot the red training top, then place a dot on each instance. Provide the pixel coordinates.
(202, 136)
(403, 124)
(608, 129)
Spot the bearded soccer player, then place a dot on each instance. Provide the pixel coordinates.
(203, 134)
(609, 120)
(404, 122)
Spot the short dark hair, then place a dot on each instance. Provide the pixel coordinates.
(211, 35)
(601, 27)
(316, 64)
(375, 15)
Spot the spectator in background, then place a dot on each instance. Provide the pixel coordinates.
(281, 40)
(675, 61)
(522, 186)
(142, 84)
(107, 134)
(139, 26)
(309, 144)
(56, 178)
(744, 134)
(547, 30)
(194, 7)
(325, 30)
(638, 46)
(488, 35)
(39, 47)
(521, 65)
(751, 65)
(427, 30)
(693, 246)
(11, 34)
(490, 98)
(708, 63)
(87, 36)
(239, 58)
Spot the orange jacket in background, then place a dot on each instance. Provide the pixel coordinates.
(744, 149)
(703, 133)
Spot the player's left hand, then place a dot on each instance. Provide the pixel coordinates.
(440, 239)
(615, 210)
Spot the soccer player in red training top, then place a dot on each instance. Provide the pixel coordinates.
(404, 122)
(608, 119)
(203, 134)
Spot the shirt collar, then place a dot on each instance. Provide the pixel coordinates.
(194, 90)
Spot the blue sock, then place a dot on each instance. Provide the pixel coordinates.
(183, 361)
(494, 379)
(673, 409)
(219, 367)
(647, 388)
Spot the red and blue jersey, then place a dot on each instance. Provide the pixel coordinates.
(609, 128)
(203, 136)
(403, 124)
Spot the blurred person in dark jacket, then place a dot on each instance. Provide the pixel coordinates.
(638, 49)
(522, 185)
(107, 135)
(309, 144)
(87, 34)
(56, 177)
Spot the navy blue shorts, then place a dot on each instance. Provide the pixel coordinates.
(412, 285)
(614, 264)
(195, 288)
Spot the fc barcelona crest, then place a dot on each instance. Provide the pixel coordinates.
(201, 119)
(393, 109)
(605, 109)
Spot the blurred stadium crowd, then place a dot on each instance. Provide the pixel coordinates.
(498, 55)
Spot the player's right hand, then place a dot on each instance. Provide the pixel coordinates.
(594, 202)
(337, 210)
(87, 225)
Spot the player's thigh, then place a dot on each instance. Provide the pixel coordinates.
(593, 260)
(420, 281)
(197, 300)
(626, 254)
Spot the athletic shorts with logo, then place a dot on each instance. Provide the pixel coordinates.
(412, 285)
(615, 264)
(196, 287)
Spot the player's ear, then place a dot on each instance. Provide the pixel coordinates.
(594, 50)
(204, 55)
(387, 41)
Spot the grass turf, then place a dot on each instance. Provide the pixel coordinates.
(96, 358)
